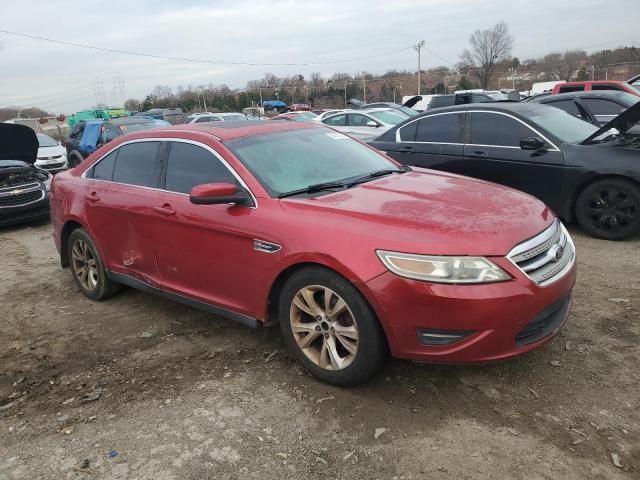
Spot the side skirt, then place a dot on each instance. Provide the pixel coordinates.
(222, 312)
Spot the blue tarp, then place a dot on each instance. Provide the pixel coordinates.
(273, 104)
(90, 135)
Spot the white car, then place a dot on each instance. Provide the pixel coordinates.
(52, 156)
(215, 117)
(364, 124)
(323, 115)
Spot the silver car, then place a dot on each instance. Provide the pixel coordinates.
(364, 124)
(215, 117)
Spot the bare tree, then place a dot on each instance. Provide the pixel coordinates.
(487, 49)
(564, 66)
(132, 105)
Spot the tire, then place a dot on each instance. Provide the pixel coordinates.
(84, 257)
(610, 209)
(349, 330)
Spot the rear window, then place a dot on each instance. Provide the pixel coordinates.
(605, 86)
(599, 106)
(571, 88)
(447, 128)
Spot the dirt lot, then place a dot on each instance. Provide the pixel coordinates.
(139, 387)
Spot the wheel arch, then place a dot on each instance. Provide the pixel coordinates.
(271, 314)
(67, 229)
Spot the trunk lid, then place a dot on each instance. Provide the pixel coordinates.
(623, 123)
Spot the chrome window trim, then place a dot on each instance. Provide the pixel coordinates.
(553, 145)
(168, 139)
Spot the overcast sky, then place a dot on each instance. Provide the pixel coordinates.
(62, 78)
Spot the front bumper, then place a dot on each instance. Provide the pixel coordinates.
(501, 317)
(24, 213)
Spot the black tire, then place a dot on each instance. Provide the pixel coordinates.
(104, 287)
(371, 351)
(610, 209)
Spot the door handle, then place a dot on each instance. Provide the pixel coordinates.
(406, 149)
(165, 210)
(480, 153)
(92, 197)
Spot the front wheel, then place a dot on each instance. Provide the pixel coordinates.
(610, 209)
(330, 328)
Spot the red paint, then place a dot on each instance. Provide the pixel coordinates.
(588, 86)
(214, 190)
(206, 252)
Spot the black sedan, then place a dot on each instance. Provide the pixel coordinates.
(599, 107)
(582, 172)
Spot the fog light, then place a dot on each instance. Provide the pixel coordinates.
(441, 337)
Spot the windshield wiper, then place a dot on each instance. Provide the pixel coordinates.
(318, 187)
(378, 173)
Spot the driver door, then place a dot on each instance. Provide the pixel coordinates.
(493, 153)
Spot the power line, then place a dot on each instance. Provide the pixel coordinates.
(194, 60)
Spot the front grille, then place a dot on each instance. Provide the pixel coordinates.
(54, 157)
(547, 257)
(19, 199)
(545, 323)
(53, 166)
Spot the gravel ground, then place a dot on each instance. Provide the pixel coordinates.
(139, 387)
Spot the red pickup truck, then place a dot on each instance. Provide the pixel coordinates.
(591, 85)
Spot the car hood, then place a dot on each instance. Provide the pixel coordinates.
(18, 143)
(412, 101)
(623, 123)
(50, 151)
(427, 212)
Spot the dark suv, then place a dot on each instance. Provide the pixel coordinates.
(77, 150)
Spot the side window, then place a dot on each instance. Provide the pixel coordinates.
(605, 86)
(408, 133)
(568, 106)
(599, 106)
(336, 121)
(138, 164)
(103, 170)
(202, 119)
(108, 133)
(446, 128)
(190, 165)
(356, 120)
(571, 88)
(498, 130)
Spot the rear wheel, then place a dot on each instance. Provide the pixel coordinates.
(330, 328)
(610, 209)
(87, 267)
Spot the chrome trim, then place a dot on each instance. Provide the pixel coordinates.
(554, 149)
(42, 195)
(26, 186)
(169, 139)
(553, 239)
(266, 247)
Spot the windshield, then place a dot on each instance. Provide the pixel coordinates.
(562, 124)
(408, 111)
(287, 161)
(139, 127)
(309, 114)
(46, 140)
(388, 117)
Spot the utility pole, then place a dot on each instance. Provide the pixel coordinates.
(364, 87)
(418, 47)
(394, 92)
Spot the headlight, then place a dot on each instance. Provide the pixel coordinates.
(47, 182)
(441, 269)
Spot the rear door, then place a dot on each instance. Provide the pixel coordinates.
(493, 153)
(121, 189)
(435, 141)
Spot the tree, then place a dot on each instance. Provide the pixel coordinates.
(582, 74)
(564, 66)
(487, 49)
(464, 84)
(132, 105)
(515, 63)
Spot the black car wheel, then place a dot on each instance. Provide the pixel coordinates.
(87, 267)
(330, 328)
(610, 209)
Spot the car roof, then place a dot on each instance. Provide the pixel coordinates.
(130, 120)
(230, 130)
(587, 94)
(508, 107)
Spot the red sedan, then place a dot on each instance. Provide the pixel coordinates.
(352, 254)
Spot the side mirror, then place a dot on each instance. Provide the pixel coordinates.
(532, 143)
(373, 124)
(218, 193)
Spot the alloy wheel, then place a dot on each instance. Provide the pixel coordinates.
(324, 327)
(84, 264)
(611, 210)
